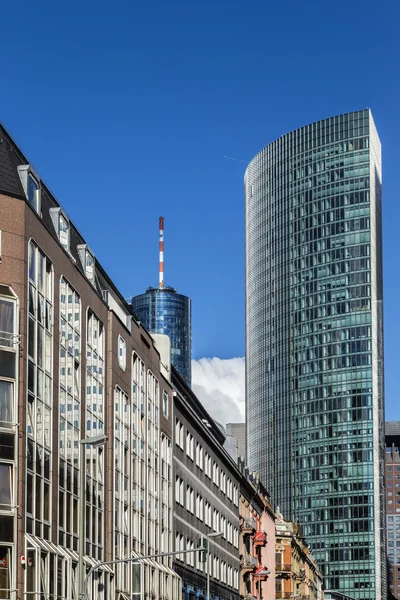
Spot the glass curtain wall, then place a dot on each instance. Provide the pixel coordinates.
(314, 346)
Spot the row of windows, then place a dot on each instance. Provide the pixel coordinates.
(9, 345)
(204, 462)
(217, 568)
(204, 511)
(32, 187)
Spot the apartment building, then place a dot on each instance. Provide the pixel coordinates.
(297, 573)
(206, 500)
(257, 539)
(74, 363)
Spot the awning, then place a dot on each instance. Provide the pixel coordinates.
(66, 553)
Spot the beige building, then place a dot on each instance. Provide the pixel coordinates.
(297, 574)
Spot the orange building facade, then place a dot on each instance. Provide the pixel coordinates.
(297, 574)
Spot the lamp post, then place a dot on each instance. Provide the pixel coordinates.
(95, 441)
(263, 573)
(210, 535)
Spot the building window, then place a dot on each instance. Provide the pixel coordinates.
(6, 486)
(7, 323)
(39, 398)
(61, 225)
(87, 260)
(190, 446)
(190, 499)
(33, 192)
(6, 403)
(31, 184)
(165, 404)
(121, 352)
(5, 571)
(207, 465)
(179, 434)
(70, 428)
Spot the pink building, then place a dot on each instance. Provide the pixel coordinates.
(257, 540)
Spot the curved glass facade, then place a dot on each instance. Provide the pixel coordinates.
(314, 347)
(163, 310)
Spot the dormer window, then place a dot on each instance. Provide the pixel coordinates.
(31, 184)
(87, 260)
(61, 225)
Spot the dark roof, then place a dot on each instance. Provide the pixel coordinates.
(10, 158)
(392, 428)
(392, 433)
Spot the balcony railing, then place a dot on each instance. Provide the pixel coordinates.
(260, 538)
(280, 568)
(283, 595)
(248, 563)
(248, 525)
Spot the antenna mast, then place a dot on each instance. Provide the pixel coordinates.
(161, 268)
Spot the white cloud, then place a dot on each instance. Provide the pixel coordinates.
(220, 385)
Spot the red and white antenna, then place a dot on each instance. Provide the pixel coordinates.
(161, 271)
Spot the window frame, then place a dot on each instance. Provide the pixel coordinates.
(7, 508)
(26, 173)
(122, 346)
(165, 404)
(9, 424)
(84, 251)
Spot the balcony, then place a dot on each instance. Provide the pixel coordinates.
(301, 575)
(248, 564)
(284, 571)
(283, 595)
(260, 538)
(280, 568)
(262, 572)
(248, 526)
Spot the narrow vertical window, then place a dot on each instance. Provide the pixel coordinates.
(165, 404)
(7, 309)
(121, 352)
(31, 184)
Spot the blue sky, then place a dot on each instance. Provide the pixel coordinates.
(127, 110)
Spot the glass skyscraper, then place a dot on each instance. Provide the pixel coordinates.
(163, 310)
(314, 342)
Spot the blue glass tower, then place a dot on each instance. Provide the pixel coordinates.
(163, 310)
(314, 342)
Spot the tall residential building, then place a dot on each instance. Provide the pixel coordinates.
(392, 442)
(74, 363)
(163, 310)
(314, 342)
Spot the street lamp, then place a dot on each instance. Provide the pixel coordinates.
(262, 573)
(95, 441)
(210, 535)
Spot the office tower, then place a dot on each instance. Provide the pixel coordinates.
(314, 347)
(238, 431)
(74, 364)
(392, 443)
(163, 310)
